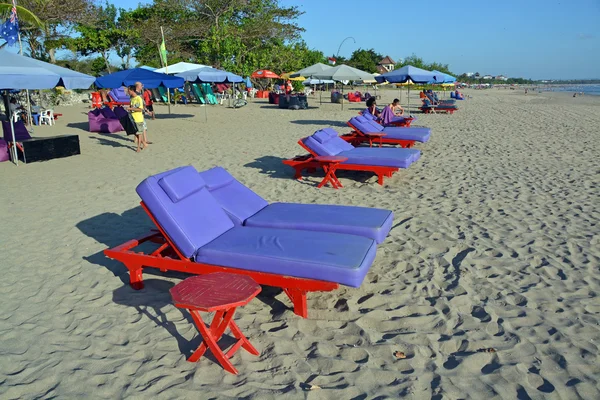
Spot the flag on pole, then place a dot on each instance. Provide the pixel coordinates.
(163, 53)
(10, 29)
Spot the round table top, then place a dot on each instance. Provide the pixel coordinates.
(331, 159)
(216, 291)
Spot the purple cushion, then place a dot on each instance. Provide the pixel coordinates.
(119, 95)
(4, 151)
(418, 134)
(247, 208)
(104, 125)
(120, 112)
(181, 185)
(238, 201)
(321, 137)
(108, 113)
(194, 220)
(318, 148)
(373, 223)
(21, 132)
(323, 256)
(364, 125)
(385, 157)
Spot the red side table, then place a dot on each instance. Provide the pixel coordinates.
(375, 135)
(222, 293)
(330, 164)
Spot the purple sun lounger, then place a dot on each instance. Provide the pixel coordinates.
(326, 142)
(247, 208)
(364, 125)
(201, 230)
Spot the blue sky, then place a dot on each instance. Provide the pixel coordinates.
(538, 39)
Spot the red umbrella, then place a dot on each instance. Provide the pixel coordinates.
(264, 73)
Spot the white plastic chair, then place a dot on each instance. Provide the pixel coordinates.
(16, 117)
(47, 117)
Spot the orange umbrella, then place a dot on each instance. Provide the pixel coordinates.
(264, 73)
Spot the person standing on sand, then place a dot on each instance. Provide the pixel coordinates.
(136, 108)
(139, 90)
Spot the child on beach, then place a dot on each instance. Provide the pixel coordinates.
(136, 108)
(140, 91)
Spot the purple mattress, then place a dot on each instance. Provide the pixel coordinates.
(418, 134)
(183, 206)
(326, 142)
(245, 207)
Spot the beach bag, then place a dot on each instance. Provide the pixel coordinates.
(129, 124)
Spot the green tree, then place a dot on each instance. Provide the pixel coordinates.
(99, 37)
(365, 60)
(58, 18)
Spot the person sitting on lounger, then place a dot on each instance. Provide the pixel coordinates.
(396, 108)
(372, 107)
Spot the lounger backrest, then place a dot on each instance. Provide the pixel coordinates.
(375, 127)
(368, 115)
(326, 142)
(238, 201)
(184, 208)
(365, 125)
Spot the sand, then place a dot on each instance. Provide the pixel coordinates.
(496, 244)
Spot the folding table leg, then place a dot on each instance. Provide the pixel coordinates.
(211, 337)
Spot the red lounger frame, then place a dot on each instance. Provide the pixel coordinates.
(168, 258)
(437, 108)
(359, 137)
(308, 162)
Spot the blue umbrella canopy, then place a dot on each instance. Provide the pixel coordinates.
(208, 74)
(20, 72)
(441, 77)
(406, 73)
(149, 79)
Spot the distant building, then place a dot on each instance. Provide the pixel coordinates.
(501, 78)
(487, 77)
(469, 74)
(386, 65)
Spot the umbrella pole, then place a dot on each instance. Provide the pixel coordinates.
(342, 95)
(14, 143)
(205, 112)
(408, 100)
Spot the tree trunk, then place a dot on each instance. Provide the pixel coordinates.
(105, 56)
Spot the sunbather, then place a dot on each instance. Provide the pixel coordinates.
(396, 108)
(372, 107)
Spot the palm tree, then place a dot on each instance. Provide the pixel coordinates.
(22, 13)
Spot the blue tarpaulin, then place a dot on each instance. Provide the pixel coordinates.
(208, 74)
(406, 73)
(20, 72)
(149, 79)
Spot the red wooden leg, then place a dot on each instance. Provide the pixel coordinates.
(135, 277)
(242, 341)
(380, 179)
(215, 327)
(333, 177)
(298, 298)
(211, 339)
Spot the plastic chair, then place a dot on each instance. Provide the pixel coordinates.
(47, 117)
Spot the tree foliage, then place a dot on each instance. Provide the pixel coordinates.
(365, 60)
(418, 62)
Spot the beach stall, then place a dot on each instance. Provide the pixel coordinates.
(343, 73)
(264, 74)
(210, 75)
(20, 72)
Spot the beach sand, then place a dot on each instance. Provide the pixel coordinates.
(496, 244)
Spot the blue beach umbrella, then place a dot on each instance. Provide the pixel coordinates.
(20, 72)
(405, 74)
(149, 79)
(209, 74)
